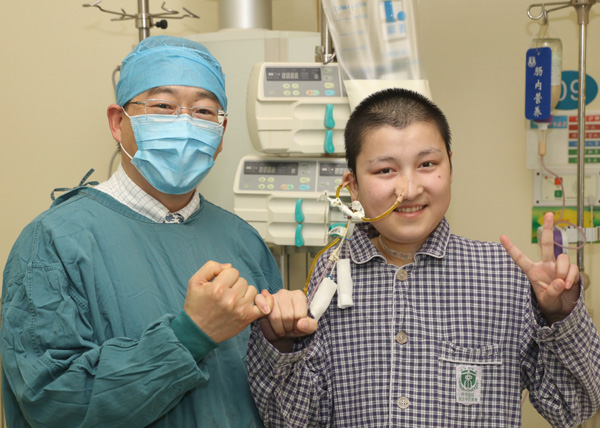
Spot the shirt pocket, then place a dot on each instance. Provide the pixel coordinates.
(470, 381)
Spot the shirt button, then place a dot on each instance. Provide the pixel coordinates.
(401, 338)
(402, 275)
(403, 403)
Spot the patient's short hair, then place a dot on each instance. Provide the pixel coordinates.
(395, 107)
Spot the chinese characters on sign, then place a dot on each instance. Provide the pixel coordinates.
(537, 83)
(591, 142)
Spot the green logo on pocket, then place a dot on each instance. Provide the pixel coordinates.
(468, 384)
(468, 380)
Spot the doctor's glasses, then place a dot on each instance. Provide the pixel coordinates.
(170, 108)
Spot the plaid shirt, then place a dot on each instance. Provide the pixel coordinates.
(450, 340)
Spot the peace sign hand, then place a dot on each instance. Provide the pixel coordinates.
(555, 282)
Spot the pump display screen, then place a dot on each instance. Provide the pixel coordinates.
(271, 168)
(277, 176)
(303, 74)
(332, 169)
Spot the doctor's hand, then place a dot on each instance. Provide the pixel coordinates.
(288, 318)
(555, 281)
(220, 302)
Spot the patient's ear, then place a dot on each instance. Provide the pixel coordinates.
(349, 181)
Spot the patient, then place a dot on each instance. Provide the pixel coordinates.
(444, 331)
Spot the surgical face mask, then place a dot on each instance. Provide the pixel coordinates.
(174, 155)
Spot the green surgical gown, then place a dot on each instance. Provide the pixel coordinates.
(93, 333)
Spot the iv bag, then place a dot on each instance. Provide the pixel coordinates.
(544, 39)
(376, 46)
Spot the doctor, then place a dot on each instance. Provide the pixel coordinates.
(128, 305)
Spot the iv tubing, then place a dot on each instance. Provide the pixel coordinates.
(312, 267)
(332, 258)
(379, 217)
(562, 212)
(334, 255)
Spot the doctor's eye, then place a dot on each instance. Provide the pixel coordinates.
(161, 107)
(212, 114)
(206, 113)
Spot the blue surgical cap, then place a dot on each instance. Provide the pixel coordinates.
(170, 61)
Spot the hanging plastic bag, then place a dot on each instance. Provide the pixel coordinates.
(376, 46)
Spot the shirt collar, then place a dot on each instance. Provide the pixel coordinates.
(124, 190)
(362, 249)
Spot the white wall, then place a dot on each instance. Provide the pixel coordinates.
(56, 61)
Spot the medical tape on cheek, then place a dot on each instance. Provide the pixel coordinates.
(323, 297)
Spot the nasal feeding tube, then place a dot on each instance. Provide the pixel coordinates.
(321, 296)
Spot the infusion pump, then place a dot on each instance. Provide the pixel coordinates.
(281, 198)
(297, 109)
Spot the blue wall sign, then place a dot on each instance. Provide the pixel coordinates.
(570, 90)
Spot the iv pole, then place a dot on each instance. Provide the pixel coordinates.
(143, 19)
(325, 53)
(143, 22)
(583, 14)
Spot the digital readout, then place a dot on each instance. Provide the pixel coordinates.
(271, 168)
(304, 74)
(332, 169)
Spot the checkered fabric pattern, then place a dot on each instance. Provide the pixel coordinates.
(124, 190)
(401, 356)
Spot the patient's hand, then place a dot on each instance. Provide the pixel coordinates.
(288, 318)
